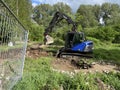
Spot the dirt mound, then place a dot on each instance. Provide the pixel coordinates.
(62, 64)
(66, 65)
(35, 51)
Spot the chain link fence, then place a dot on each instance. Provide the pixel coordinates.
(13, 42)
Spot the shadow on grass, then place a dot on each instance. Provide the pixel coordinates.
(107, 55)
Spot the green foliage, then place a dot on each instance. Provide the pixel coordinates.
(108, 55)
(81, 81)
(86, 17)
(116, 27)
(62, 7)
(89, 15)
(38, 75)
(113, 10)
(96, 42)
(107, 52)
(106, 33)
(36, 33)
(112, 79)
(117, 38)
(58, 41)
(79, 28)
(61, 31)
(43, 13)
(22, 9)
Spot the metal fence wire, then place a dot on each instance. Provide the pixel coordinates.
(13, 42)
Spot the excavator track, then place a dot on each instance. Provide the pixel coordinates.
(79, 60)
(78, 54)
(64, 52)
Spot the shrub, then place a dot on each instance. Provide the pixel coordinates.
(36, 33)
(58, 41)
(117, 38)
(97, 42)
(106, 33)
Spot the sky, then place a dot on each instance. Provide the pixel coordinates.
(74, 4)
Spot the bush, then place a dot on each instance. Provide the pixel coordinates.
(36, 33)
(58, 41)
(106, 33)
(117, 39)
(96, 42)
(117, 27)
(60, 31)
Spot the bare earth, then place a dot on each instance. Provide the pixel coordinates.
(65, 65)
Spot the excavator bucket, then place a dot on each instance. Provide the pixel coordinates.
(48, 39)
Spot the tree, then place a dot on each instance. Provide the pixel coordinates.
(62, 7)
(112, 13)
(22, 9)
(85, 16)
(36, 32)
(115, 14)
(42, 14)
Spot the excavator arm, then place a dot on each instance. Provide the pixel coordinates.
(58, 16)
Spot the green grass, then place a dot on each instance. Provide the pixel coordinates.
(38, 75)
(106, 51)
(6, 47)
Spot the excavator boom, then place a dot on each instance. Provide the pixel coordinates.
(58, 16)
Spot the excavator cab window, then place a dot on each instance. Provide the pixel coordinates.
(69, 40)
(73, 38)
(78, 38)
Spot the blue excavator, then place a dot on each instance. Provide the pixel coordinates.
(75, 42)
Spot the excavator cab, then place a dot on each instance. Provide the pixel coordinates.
(76, 42)
(74, 38)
